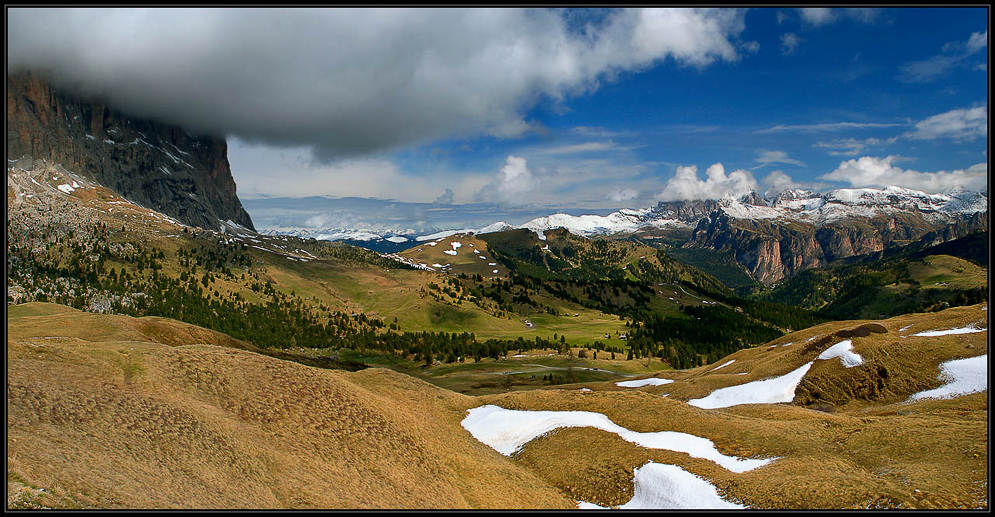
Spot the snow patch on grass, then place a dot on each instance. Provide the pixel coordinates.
(970, 329)
(508, 430)
(963, 376)
(669, 487)
(723, 365)
(767, 391)
(843, 350)
(652, 381)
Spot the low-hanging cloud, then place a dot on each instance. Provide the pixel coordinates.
(869, 171)
(717, 185)
(513, 184)
(777, 181)
(349, 82)
(623, 194)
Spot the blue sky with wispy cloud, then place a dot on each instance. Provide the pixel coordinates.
(564, 107)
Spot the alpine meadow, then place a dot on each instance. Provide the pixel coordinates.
(572, 258)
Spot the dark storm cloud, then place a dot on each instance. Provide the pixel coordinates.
(350, 82)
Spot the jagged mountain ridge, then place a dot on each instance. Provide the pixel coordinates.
(157, 165)
(777, 237)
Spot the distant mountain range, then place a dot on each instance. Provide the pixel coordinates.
(769, 238)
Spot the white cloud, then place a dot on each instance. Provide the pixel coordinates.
(827, 126)
(778, 181)
(264, 171)
(869, 171)
(977, 41)
(585, 147)
(751, 46)
(349, 82)
(446, 198)
(852, 146)
(623, 194)
(817, 15)
(513, 185)
(789, 43)
(958, 124)
(686, 185)
(953, 55)
(769, 157)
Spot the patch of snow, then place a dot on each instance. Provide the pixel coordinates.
(905, 327)
(652, 381)
(767, 391)
(723, 365)
(788, 344)
(495, 271)
(586, 390)
(970, 329)
(508, 430)
(843, 350)
(660, 486)
(65, 188)
(449, 252)
(963, 376)
(492, 263)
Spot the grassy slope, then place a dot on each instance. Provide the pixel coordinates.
(98, 421)
(95, 422)
(867, 449)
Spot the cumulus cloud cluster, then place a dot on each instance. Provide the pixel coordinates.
(349, 82)
(869, 171)
(513, 185)
(717, 184)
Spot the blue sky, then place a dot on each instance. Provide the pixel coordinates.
(851, 86)
(584, 108)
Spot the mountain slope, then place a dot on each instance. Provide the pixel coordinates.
(96, 422)
(916, 279)
(156, 165)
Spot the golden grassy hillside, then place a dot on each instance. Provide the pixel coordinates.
(102, 413)
(859, 445)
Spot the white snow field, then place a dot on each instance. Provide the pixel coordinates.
(843, 350)
(970, 329)
(508, 430)
(669, 487)
(723, 365)
(652, 381)
(964, 376)
(767, 391)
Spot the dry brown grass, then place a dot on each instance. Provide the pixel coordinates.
(120, 418)
(872, 450)
(117, 420)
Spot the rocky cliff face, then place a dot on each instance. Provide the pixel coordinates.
(156, 165)
(772, 250)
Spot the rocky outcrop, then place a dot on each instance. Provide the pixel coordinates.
(772, 250)
(157, 165)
